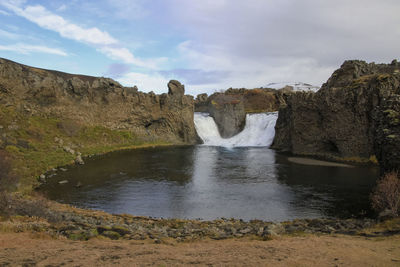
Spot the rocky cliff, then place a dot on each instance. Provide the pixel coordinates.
(98, 101)
(354, 116)
(229, 108)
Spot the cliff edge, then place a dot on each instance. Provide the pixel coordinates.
(354, 116)
(98, 101)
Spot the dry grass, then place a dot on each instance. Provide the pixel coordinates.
(386, 195)
(21, 249)
(7, 182)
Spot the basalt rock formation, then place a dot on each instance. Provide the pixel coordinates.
(229, 109)
(98, 101)
(355, 116)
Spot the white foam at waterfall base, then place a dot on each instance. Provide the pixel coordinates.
(259, 130)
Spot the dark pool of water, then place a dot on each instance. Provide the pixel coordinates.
(213, 182)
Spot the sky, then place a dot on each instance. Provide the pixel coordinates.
(209, 45)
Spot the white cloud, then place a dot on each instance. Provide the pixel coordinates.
(61, 8)
(256, 42)
(26, 49)
(145, 82)
(234, 42)
(2, 12)
(101, 40)
(8, 35)
(118, 54)
(121, 53)
(45, 19)
(204, 57)
(128, 9)
(291, 71)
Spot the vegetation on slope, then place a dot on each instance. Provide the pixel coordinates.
(38, 143)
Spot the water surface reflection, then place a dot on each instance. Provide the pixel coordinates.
(213, 182)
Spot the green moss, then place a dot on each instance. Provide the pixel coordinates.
(383, 77)
(101, 229)
(82, 235)
(257, 110)
(12, 149)
(77, 236)
(121, 230)
(94, 232)
(354, 160)
(373, 159)
(111, 234)
(44, 153)
(392, 113)
(393, 116)
(362, 81)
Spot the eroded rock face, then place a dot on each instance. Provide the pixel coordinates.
(99, 101)
(354, 115)
(228, 114)
(176, 89)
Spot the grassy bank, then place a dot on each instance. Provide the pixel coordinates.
(372, 160)
(37, 143)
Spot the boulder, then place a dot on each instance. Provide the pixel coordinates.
(229, 116)
(176, 89)
(79, 160)
(69, 150)
(42, 178)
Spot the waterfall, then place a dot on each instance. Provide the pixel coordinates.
(259, 130)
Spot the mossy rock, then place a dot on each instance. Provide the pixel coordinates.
(111, 234)
(12, 149)
(121, 230)
(101, 229)
(83, 235)
(392, 113)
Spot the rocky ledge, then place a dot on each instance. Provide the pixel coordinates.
(79, 224)
(355, 116)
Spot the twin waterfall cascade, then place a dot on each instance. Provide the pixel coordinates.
(259, 130)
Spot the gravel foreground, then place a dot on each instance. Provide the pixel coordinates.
(24, 249)
(46, 233)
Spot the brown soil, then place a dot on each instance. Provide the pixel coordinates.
(26, 249)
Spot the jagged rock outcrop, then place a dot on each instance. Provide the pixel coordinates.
(229, 109)
(176, 89)
(355, 116)
(228, 113)
(201, 103)
(99, 101)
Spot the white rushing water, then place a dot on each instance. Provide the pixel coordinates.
(259, 130)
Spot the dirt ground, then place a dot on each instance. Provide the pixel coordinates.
(25, 249)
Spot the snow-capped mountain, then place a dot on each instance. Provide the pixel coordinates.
(297, 86)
